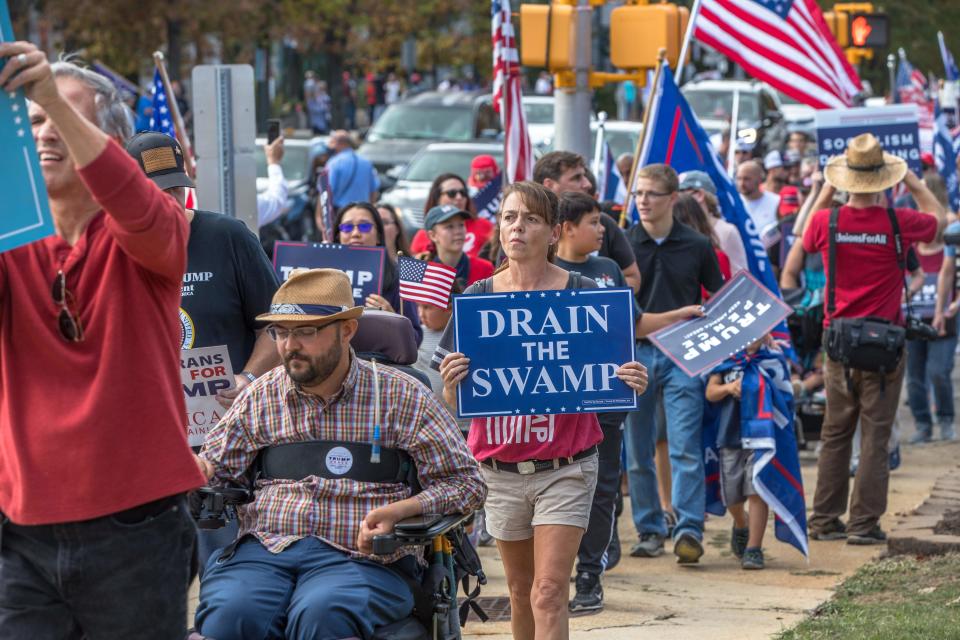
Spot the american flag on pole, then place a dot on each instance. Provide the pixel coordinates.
(785, 43)
(161, 119)
(517, 149)
(426, 282)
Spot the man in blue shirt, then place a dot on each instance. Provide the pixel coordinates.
(352, 177)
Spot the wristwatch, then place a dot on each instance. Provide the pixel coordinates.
(249, 376)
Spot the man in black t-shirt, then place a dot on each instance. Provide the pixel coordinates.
(228, 282)
(675, 261)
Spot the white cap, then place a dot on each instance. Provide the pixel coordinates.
(772, 160)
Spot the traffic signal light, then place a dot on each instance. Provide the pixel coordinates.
(869, 30)
(546, 31)
(839, 24)
(637, 32)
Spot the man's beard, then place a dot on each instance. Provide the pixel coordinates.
(318, 369)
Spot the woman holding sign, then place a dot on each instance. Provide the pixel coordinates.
(540, 489)
(359, 224)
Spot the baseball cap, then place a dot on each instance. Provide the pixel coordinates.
(926, 159)
(442, 213)
(772, 160)
(744, 146)
(690, 180)
(160, 158)
(789, 201)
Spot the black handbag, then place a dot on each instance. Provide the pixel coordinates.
(867, 344)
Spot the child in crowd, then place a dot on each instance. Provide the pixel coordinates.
(736, 463)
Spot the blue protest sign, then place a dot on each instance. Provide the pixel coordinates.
(26, 211)
(895, 126)
(363, 265)
(742, 311)
(544, 352)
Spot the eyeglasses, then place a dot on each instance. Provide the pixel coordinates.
(68, 323)
(348, 227)
(304, 334)
(640, 195)
(453, 193)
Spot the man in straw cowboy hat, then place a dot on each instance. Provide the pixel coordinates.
(869, 283)
(304, 559)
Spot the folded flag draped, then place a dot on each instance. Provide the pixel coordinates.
(766, 427)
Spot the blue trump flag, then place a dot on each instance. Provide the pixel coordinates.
(26, 210)
(486, 201)
(766, 427)
(675, 138)
(950, 69)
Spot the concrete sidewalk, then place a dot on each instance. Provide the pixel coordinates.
(656, 598)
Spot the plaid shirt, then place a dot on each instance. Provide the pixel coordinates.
(273, 410)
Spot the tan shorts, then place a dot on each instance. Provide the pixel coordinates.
(517, 503)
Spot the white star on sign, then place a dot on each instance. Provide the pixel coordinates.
(17, 120)
(20, 132)
(12, 95)
(578, 408)
(558, 294)
(543, 294)
(527, 296)
(15, 108)
(512, 296)
(516, 410)
(533, 410)
(563, 409)
(548, 409)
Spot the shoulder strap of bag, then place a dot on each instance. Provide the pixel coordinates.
(577, 279)
(901, 257)
(832, 261)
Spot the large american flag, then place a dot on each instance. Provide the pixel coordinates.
(427, 282)
(161, 119)
(785, 43)
(507, 96)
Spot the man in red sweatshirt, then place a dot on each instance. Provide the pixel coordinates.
(96, 539)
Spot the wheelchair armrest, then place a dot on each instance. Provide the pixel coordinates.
(411, 532)
(208, 504)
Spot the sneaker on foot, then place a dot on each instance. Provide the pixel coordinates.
(874, 536)
(650, 546)
(589, 596)
(738, 540)
(921, 436)
(670, 520)
(895, 459)
(949, 434)
(834, 530)
(752, 558)
(613, 551)
(687, 549)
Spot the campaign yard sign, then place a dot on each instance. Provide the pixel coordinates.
(742, 311)
(895, 126)
(544, 352)
(26, 211)
(204, 372)
(363, 265)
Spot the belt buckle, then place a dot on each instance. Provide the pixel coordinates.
(526, 468)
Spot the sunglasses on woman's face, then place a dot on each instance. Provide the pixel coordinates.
(67, 322)
(348, 227)
(453, 193)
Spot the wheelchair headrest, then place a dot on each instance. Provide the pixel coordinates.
(389, 335)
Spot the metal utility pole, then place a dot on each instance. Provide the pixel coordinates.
(571, 114)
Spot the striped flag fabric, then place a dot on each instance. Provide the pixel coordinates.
(517, 149)
(785, 43)
(425, 282)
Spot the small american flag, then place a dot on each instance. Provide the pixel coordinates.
(427, 282)
(783, 42)
(517, 149)
(161, 119)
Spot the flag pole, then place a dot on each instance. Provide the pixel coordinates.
(178, 125)
(734, 134)
(598, 147)
(687, 37)
(661, 60)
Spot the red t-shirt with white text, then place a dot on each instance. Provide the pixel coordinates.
(538, 437)
(869, 282)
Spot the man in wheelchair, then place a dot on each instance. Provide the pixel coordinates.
(328, 440)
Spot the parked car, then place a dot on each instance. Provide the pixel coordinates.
(298, 157)
(798, 117)
(410, 192)
(539, 111)
(621, 135)
(432, 116)
(760, 119)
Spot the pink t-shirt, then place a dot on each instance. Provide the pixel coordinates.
(537, 437)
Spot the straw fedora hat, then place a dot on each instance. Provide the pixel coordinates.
(865, 167)
(313, 295)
